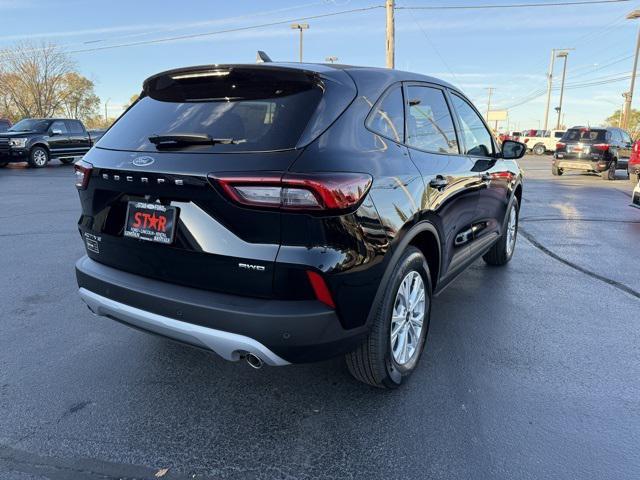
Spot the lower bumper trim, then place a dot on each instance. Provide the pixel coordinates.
(230, 346)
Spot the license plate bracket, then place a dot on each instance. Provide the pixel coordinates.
(151, 222)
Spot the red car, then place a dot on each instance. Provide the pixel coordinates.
(634, 163)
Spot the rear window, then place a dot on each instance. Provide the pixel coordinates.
(260, 112)
(584, 135)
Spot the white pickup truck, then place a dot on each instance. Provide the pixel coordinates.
(545, 143)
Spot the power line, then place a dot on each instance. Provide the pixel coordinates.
(228, 30)
(514, 5)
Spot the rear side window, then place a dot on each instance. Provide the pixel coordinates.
(477, 139)
(625, 137)
(387, 117)
(75, 126)
(584, 135)
(429, 122)
(558, 134)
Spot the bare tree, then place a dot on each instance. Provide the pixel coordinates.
(32, 79)
(77, 97)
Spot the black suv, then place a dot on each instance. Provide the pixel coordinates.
(595, 150)
(288, 213)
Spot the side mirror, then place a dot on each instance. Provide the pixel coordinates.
(56, 132)
(513, 150)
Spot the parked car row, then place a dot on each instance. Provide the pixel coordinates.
(38, 140)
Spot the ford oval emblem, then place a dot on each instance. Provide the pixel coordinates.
(143, 161)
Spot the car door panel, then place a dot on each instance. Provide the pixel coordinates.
(79, 143)
(58, 143)
(492, 174)
(450, 185)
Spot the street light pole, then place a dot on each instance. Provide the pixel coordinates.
(301, 27)
(629, 97)
(564, 54)
(489, 102)
(391, 34)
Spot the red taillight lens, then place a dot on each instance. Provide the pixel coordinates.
(320, 288)
(560, 145)
(321, 191)
(83, 173)
(526, 140)
(603, 147)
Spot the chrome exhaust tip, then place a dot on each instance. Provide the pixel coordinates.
(254, 361)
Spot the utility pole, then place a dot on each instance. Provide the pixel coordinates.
(490, 89)
(549, 82)
(565, 55)
(301, 27)
(106, 105)
(629, 96)
(624, 103)
(391, 34)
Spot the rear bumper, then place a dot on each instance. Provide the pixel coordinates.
(279, 332)
(575, 162)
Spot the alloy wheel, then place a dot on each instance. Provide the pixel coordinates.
(512, 230)
(408, 318)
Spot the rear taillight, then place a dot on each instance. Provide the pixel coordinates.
(526, 140)
(602, 147)
(310, 192)
(83, 173)
(560, 145)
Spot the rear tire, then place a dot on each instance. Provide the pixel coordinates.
(38, 157)
(609, 173)
(555, 171)
(382, 360)
(503, 249)
(539, 149)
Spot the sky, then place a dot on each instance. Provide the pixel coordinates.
(504, 48)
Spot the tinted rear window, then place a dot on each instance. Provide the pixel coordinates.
(583, 135)
(261, 114)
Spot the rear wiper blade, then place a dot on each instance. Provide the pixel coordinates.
(180, 139)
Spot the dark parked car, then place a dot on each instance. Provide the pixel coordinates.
(286, 213)
(5, 124)
(596, 150)
(37, 140)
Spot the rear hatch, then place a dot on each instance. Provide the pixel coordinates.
(159, 159)
(587, 143)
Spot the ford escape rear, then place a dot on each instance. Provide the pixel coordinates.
(291, 213)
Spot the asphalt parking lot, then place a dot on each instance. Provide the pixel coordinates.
(530, 371)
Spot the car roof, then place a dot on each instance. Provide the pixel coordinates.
(391, 75)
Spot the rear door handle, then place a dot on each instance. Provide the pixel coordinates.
(439, 182)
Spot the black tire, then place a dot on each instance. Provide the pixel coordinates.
(67, 161)
(3, 164)
(373, 362)
(555, 171)
(500, 254)
(38, 157)
(539, 149)
(609, 173)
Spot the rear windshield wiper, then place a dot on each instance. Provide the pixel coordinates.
(184, 139)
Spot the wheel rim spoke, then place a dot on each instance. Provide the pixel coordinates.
(407, 318)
